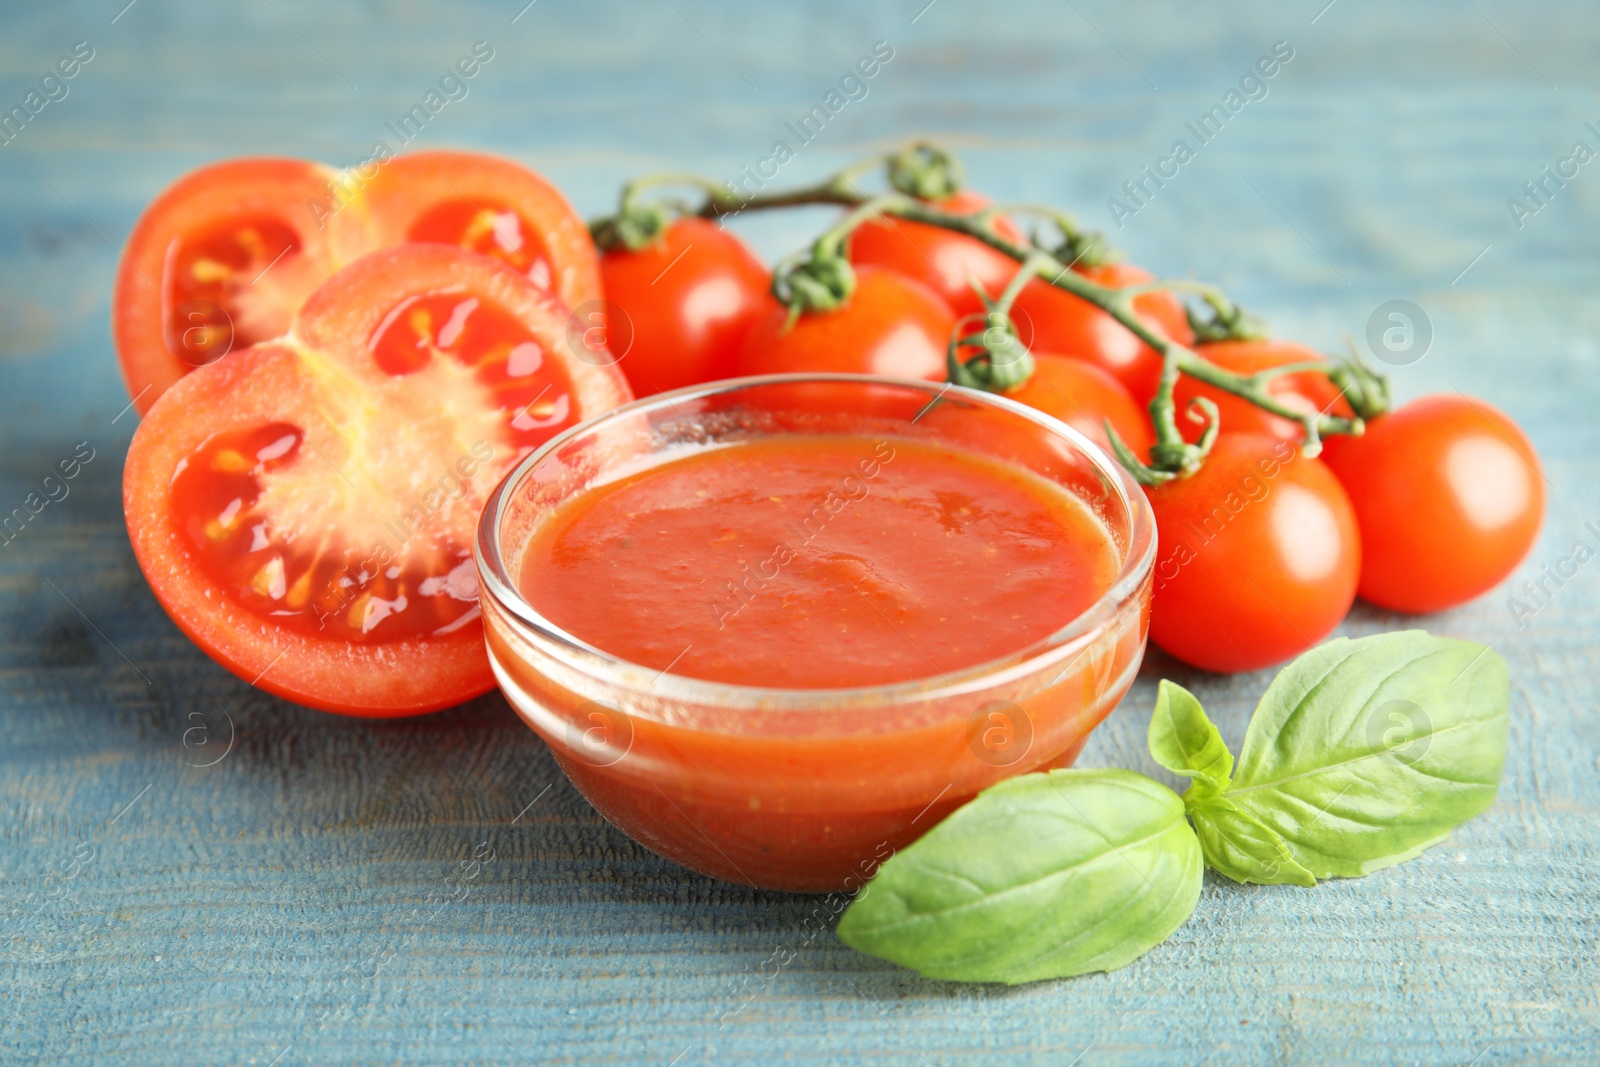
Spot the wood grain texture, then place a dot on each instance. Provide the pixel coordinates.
(280, 906)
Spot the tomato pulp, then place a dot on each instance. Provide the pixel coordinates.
(841, 638)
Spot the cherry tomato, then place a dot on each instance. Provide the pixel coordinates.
(1084, 397)
(677, 311)
(890, 326)
(946, 262)
(1259, 556)
(1449, 495)
(224, 257)
(305, 509)
(1049, 319)
(1305, 391)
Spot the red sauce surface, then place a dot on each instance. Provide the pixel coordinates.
(819, 562)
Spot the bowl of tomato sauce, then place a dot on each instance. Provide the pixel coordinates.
(776, 628)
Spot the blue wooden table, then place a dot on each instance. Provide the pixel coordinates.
(194, 872)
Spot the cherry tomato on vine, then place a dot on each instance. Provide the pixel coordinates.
(1084, 397)
(227, 254)
(946, 262)
(1305, 391)
(1049, 319)
(305, 509)
(890, 325)
(678, 310)
(1449, 495)
(1259, 556)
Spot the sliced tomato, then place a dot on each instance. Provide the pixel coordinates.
(489, 205)
(305, 509)
(224, 258)
(221, 260)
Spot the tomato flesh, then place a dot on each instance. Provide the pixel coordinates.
(209, 287)
(493, 229)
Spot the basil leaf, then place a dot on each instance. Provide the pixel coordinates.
(1183, 740)
(1239, 845)
(1363, 753)
(1042, 876)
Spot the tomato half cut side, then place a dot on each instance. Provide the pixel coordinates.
(219, 261)
(489, 205)
(305, 509)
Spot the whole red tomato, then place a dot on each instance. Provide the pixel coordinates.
(890, 326)
(1305, 391)
(1053, 320)
(1259, 556)
(678, 310)
(1085, 397)
(1449, 496)
(944, 261)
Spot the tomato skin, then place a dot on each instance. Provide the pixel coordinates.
(381, 445)
(890, 326)
(209, 197)
(944, 261)
(1259, 556)
(679, 309)
(1305, 391)
(1053, 320)
(1449, 495)
(1083, 396)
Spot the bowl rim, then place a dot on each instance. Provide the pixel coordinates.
(663, 686)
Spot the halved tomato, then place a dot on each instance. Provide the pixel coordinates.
(305, 509)
(224, 258)
(490, 205)
(221, 260)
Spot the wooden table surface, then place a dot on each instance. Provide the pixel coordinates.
(195, 872)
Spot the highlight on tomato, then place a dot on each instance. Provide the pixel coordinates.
(1259, 556)
(1050, 319)
(946, 262)
(678, 310)
(305, 509)
(889, 325)
(224, 257)
(1308, 392)
(1449, 496)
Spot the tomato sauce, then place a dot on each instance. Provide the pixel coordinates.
(819, 563)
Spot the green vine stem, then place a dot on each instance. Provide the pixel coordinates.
(820, 279)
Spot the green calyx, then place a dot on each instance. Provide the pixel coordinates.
(636, 225)
(1002, 362)
(1227, 322)
(821, 282)
(926, 172)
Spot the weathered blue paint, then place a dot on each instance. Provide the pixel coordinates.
(301, 901)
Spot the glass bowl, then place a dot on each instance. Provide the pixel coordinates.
(806, 789)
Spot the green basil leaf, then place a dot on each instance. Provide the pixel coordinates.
(1239, 845)
(1183, 740)
(1042, 876)
(1362, 753)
